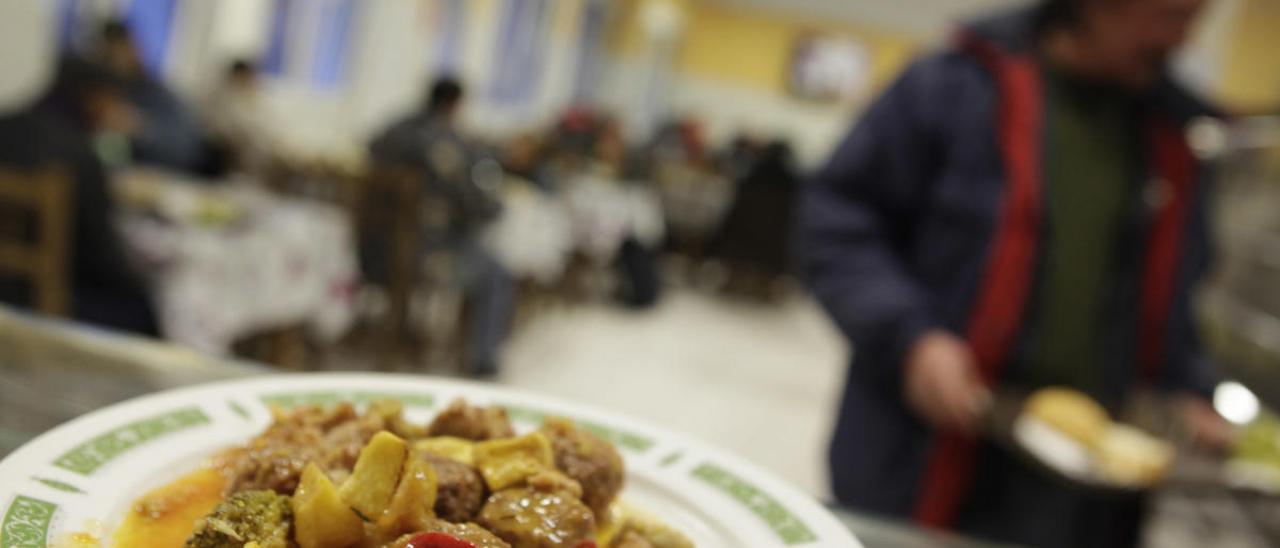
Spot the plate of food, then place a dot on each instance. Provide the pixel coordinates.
(396, 461)
(1068, 434)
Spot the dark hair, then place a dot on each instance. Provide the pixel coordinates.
(1060, 13)
(74, 81)
(116, 30)
(241, 67)
(445, 94)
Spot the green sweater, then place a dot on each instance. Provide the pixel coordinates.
(1090, 165)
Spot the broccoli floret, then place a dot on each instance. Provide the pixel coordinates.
(248, 516)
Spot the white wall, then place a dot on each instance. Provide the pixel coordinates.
(555, 88)
(922, 17)
(725, 109)
(392, 58)
(391, 61)
(388, 67)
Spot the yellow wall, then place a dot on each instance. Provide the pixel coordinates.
(752, 47)
(1251, 76)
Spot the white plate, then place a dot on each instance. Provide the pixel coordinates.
(83, 475)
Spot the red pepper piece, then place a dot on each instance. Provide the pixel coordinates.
(437, 540)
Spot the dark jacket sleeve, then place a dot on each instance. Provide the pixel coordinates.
(1189, 367)
(856, 217)
(100, 256)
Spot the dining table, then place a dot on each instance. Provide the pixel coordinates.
(226, 259)
(52, 371)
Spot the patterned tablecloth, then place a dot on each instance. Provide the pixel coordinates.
(228, 260)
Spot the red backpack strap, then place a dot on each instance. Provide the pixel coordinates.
(1169, 194)
(1006, 285)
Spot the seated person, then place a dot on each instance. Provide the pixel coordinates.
(169, 134)
(238, 118)
(755, 236)
(58, 131)
(428, 139)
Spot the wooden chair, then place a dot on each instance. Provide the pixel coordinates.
(340, 188)
(388, 220)
(40, 254)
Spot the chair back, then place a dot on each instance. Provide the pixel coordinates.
(35, 235)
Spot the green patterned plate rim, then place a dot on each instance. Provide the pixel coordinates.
(93, 448)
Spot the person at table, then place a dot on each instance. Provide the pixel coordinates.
(1018, 210)
(429, 139)
(237, 117)
(759, 254)
(169, 133)
(79, 108)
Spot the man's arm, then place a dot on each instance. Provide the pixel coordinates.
(857, 219)
(856, 215)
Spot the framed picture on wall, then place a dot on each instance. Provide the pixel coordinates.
(828, 68)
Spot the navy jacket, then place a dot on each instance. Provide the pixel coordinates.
(928, 216)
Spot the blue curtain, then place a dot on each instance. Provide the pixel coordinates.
(331, 51)
(69, 24)
(327, 53)
(590, 40)
(151, 22)
(275, 60)
(522, 46)
(453, 21)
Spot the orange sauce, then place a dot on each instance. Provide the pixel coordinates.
(165, 517)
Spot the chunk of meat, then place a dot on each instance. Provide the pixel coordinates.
(587, 458)
(345, 440)
(469, 532)
(459, 489)
(528, 518)
(331, 438)
(471, 422)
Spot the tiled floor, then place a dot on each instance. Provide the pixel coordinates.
(758, 380)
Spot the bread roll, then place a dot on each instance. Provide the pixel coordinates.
(1070, 412)
(1130, 456)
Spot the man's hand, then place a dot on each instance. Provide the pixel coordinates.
(942, 383)
(1205, 426)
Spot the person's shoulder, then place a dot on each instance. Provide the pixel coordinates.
(944, 67)
(1184, 104)
(938, 85)
(398, 131)
(56, 138)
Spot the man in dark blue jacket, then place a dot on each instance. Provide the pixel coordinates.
(1020, 210)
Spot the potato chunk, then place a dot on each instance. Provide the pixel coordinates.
(412, 506)
(320, 518)
(373, 481)
(448, 446)
(506, 462)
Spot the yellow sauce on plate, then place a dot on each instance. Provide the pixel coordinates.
(166, 516)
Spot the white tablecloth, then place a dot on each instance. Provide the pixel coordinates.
(232, 260)
(533, 237)
(604, 212)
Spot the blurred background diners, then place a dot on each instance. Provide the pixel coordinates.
(866, 227)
